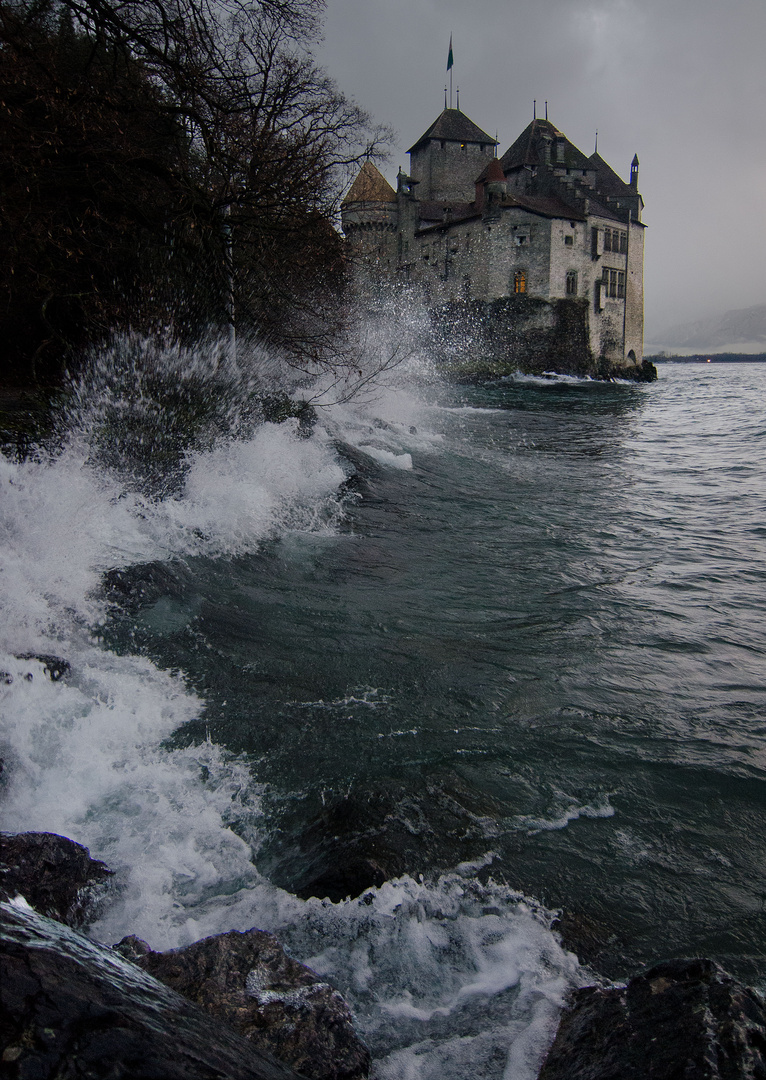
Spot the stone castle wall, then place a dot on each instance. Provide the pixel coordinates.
(446, 170)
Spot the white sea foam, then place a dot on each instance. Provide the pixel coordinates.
(568, 809)
(447, 977)
(385, 457)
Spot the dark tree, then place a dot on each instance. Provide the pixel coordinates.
(153, 154)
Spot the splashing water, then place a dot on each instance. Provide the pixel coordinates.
(166, 455)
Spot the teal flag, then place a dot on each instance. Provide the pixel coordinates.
(449, 55)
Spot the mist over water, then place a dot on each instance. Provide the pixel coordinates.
(500, 648)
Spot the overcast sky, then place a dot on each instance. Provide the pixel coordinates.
(682, 83)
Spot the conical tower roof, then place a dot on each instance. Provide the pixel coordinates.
(370, 186)
(454, 126)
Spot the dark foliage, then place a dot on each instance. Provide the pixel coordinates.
(165, 162)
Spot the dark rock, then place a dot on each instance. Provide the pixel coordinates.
(72, 1009)
(53, 666)
(132, 947)
(56, 876)
(681, 1020)
(592, 939)
(379, 831)
(281, 1006)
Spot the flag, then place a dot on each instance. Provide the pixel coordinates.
(449, 54)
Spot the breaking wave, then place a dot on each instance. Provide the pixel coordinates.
(163, 456)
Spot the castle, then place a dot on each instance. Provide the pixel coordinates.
(546, 235)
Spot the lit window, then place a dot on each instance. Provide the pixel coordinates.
(571, 283)
(520, 281)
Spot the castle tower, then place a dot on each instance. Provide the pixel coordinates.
(369, 219)
(448, 157)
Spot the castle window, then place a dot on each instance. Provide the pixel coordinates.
(613, 284)
(520, 281)
(569, 241)
(571, 283)
(615, 240)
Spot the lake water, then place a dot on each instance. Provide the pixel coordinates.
(488, 654)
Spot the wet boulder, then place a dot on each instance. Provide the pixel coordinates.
(72, 1008)
(56, 876)
(378, 831)
(681, 1020)
(280, 1006)
(55, 667)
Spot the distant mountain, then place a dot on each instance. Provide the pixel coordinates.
(745, 326)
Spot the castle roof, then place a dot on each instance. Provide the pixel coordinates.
(492, 173)
(370, 186)
(545, 205)
(454, 126)
(607, 180)
(529, 148)
(433, 211)
(433, 218)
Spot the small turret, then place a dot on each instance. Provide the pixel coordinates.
(634, 172)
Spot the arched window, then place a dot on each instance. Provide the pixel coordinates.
(571, 283)
(520, 281)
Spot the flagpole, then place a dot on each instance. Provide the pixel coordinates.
(449, 69)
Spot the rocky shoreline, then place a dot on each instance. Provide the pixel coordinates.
(236, 1005)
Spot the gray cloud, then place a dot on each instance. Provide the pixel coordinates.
(680, 82)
